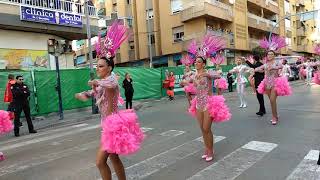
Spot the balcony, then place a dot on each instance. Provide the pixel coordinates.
(206, 8)
(300, 3)
(269, 5)
(253, 43)
(228, 38)
(288, 33)
(260, 23)
(301, 48)
(301, 32)
(57, 17)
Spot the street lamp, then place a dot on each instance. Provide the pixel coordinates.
(55, 48)
(86, 7)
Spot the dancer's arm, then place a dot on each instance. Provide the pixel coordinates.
(259, 69)
(211, 74)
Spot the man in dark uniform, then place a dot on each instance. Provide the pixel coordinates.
(21, 95)
(258, 77)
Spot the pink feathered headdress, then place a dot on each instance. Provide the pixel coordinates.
(187, 60)
(218, 59)
(317, 49)
(115, 36)
(208, 48)
(275, 44)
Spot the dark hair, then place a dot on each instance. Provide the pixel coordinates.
(285, 61)
(203, 59)
(109, 61)
(271, 51)
(256, 58)
(10, 76)
(19, 76)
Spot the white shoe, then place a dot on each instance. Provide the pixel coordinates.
(241, 106)
(204, 156)
(244, 106)
(208, 158)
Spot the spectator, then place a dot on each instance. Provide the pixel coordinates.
(128, 90)
(21, 95)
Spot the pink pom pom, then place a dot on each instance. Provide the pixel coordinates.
(121, 133)
(316, 77)
(218, 110)
(2, 156)
(190, 88)
(262, 87)
(221, 83)
(282, 87)
(5, 123)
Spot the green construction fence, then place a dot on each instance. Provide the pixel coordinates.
(147, 84)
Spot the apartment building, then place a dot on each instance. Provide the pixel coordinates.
(27, 25)
(164, 28)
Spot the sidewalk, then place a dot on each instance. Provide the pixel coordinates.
(77, 116)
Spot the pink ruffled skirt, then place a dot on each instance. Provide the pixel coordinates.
(316, 77)
(121, 133)
(216, 106)
(190, 89)
(281, 86)
(221, 83)
(5, 122)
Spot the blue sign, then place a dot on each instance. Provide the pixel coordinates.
(49, 17)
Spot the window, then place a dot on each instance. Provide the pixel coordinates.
(150, 14)
(128, 1)
(288, 41)
(287, 23)
(178, 34)
(129, 22)
(153, 40)
(131, 44)
(176, 6)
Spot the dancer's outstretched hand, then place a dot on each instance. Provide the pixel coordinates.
(93, 83)
(81, 97)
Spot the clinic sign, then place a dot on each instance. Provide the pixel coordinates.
(40, 15)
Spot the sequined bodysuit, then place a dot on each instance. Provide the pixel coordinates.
(204, 89)
(271, 73)
(106, 94)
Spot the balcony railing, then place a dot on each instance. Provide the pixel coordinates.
(58, 5)
(301, 48)
(267, 4)
(261, 23)
(301, 32)
(213, 8)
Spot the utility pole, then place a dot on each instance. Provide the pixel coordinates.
(149, 33)
(94, 107)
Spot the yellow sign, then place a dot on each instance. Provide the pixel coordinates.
(23, 59)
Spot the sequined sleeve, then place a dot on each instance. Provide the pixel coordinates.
(88, 94)
(260, 68)
(110, 82)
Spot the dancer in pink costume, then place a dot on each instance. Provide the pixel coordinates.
(206, 107)
(189, 88)
(241, 70)
(309, 68)
(5, 126)
(221, 83)
(121, 133)
(273, 84)
(316, 75)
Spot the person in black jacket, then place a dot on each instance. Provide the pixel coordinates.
(258, 77)
(230, 81)
(21, 93)
(128, 90)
